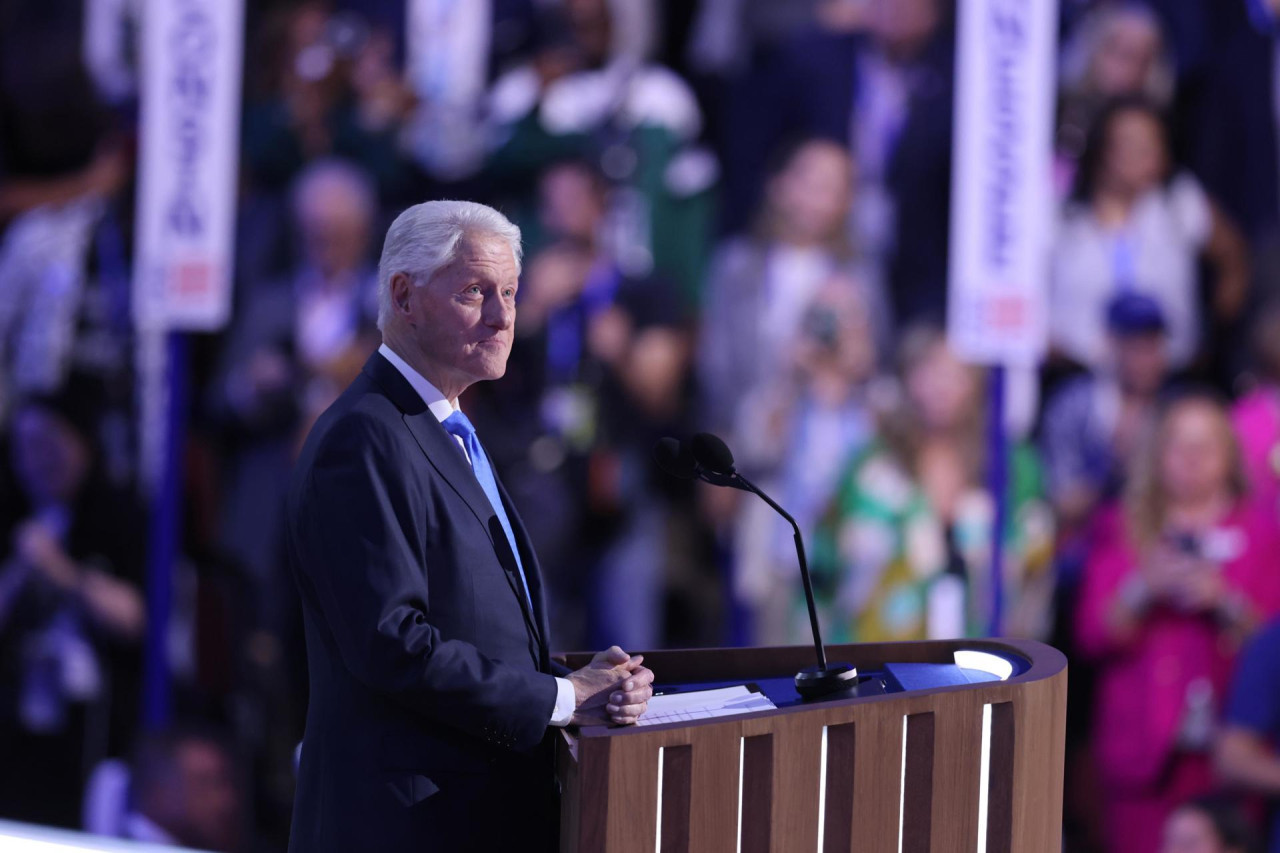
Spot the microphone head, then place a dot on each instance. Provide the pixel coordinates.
(673, 457)
(712, 454)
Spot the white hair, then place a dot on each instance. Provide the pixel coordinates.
(424, 239)
(1080, 51)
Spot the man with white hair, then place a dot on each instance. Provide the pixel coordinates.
(432, 691)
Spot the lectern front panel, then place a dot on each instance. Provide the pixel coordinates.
(954, 769)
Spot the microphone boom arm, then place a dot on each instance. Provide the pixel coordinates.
(708, 459)
(804, 566)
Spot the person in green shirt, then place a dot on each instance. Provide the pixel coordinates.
(904, 550)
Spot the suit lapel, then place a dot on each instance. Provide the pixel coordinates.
(436, 444)
(447, 458)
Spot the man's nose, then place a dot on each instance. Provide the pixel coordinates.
(499, 313)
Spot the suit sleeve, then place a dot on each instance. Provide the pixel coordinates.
(353, 546)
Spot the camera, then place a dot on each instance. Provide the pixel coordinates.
(1187, 544)
(823, 327)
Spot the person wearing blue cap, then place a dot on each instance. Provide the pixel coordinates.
(1094, 421)
(1091, 426)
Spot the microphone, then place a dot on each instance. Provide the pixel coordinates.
(709, 459)
(675, 459)
(712, 453)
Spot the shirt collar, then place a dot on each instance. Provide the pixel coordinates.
(430, 394)
(139, 827)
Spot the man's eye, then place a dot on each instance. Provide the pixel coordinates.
(475, 288)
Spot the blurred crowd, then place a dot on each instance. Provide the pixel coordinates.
(736, 220)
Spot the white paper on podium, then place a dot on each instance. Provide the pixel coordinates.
(703, 704)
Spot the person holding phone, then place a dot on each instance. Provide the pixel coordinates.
(1179, 575)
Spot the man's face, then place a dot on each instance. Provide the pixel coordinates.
(1129, 48)
(334, 229)
(942, 388)
(49, 456)
(812, 192)
(1142, 361)
(1136, 158)
(903, 27)
(212, 804)
(462, 321)
(570, 204)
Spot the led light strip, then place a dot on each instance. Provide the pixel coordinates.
(657, 835)
(822, 791)
(902, 782)
(984, 778)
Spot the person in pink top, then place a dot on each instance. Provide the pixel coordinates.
(1177, 577)
(1257, 416)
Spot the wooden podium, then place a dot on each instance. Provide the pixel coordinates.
(836, 771)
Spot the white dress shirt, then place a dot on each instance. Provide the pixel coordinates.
(566, 700)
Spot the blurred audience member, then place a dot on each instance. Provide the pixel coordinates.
(904, 552)
(793, 435)
(185, 792)
(1245, 751)
(56, 144)
(1117, 51)
(727, 36)
(1176, 580)
(901, 135)
(608, 360)
(1092, 427)
(1096, 422)
(591, 91)
(453, 51)
(294, 345)
(62, 161)
(71, 611)
(760, 284)
(1208, 825)
(65, 166)
(1134, 224)
(1256, 415)
(43, 265)
(592, 68)
(879, 80)
(65, 294)
(758, 291)
(1235, 131)
(326, 86)
(111, 49)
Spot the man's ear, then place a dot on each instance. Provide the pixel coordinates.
(400, 286)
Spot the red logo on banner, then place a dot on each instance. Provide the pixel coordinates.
(191, 278)
(1008, 312)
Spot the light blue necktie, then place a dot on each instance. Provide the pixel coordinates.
(459, 425)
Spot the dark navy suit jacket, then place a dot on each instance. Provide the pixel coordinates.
(431, 687)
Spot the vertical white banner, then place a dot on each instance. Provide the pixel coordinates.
(1001, 194)
(188, 152)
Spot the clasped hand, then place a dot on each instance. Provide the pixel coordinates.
(613, 688)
